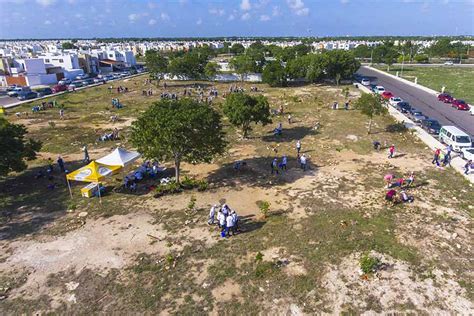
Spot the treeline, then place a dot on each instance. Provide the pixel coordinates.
(278, 65)
(389, 54)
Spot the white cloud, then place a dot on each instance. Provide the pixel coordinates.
(264, 18)
(152, 22)
(133, 17)
(215, 11)
(151, 5)
(245, 16)
(276, 11)
(47, 22)
(231, 17)
(199, 21)
(262, 3)
(245, 5)
(298, 7)
(45, 3)
(164, 16)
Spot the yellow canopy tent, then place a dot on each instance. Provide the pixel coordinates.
(93, 172)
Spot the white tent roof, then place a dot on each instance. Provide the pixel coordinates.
(119, 157)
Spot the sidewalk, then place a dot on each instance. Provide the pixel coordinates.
(456, 162)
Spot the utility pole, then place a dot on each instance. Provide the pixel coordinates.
(371, 56)
(403, 62)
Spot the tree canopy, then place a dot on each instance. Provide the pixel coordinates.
(15, 148)
(156, 63)
(182, 130)
(370, 105)
(274, 74)
(243, 109)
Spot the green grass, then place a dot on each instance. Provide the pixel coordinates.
(458, 81)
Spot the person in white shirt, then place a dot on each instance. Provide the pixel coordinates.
(221, 219)
(303, 162)
(225, 210)
(230, 226)
(298, 147)
(212, 214)
(235, 219)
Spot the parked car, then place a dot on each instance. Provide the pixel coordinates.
(27, 95)
(11, 87)
(81, 77)
(460, 105)
(467, 153)
(416, 116)
(88, 81)
(448, 63)
(387, 95)
(393, 101)
(379, 89)
(58, 88)
(403, 107)
(451, 135)
(65, 82)
(99, 80)
(365, 82)
(44, 91)
(14, 92)
(471, 110)
(444, 97)
(431, 126)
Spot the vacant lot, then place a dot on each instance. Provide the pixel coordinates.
(137, 253)
(458, 81)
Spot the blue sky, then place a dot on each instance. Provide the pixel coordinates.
(177, 18)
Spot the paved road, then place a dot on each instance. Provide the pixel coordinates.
(422, 100)
(427, 65)
(6, 100)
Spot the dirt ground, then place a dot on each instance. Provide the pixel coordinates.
(138, 253)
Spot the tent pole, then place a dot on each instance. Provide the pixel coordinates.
(100, 196)
(69, 186)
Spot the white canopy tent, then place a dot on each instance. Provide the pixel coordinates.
(119, 157)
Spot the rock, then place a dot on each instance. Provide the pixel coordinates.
(83, 214)
(454, 235)
(72, 298)
(2, 297)
(295, 310)
(71, 286)
(261, 289)
(70, 211)
(458, 246)
(205, 285)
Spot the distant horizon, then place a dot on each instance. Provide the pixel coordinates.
(64, 19)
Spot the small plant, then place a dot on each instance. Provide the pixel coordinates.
(169, 188)
(345, 92)
(369, 264)
(192, 203)
(52, 124)
(72, 206)
(264, 208)
(203, 185)
(169, 258)
(259, 257)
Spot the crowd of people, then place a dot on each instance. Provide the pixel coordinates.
(392, 184)
(226, 218)
(113, 135)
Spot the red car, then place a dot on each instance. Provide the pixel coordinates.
(460, 105)
(387, 95)
(58, 88)
(446, 98)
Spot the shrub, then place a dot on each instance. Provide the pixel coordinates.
(259, 257)
(203, 185)
(396, 128)
(369, 264)
(52, 124)
(264, 208)
(192, 203)
(169, 188)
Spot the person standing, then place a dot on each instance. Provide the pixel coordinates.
(289, 118)
(61, 164)
(275, 166)
(212, 214)
(221, 219)
(86, 154)
(391, 151)
(303, 162)
(298, 147)
(61, 114)
(284, 162)
(235, 218)
(229, 225)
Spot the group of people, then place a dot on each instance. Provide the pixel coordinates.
(121, 89)
(277, 166)
(114, 135)
(148, 92)
(402, 183)
(227, 219)
(147, 169)
(169, 96)
(441, 158)
(335, 105)
(43, 106)
(116, 103)
(49, 172)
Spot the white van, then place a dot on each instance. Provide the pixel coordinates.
(451, 135)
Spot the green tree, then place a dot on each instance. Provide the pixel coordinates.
(315, 66)
(156, 63)
(237, 49)
(68, 45)
(15, 148)
(243, 65)
(362, 51)
(211, 69)
(341, 65)
(243, 109)
(274, 74)
(370, 105)
(182, 131)
(189, 66)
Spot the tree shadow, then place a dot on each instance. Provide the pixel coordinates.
(186, 85)
(257, 172)
(290, 134)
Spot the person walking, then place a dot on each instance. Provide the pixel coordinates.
(61, 114)
(60, 162)
(86, 154)
(303, 162)
(212, 214)
(298, 147)
(391, 151)
(275, 166)
(284, 162)
(436, 157)
(467, 166)
(289, 118)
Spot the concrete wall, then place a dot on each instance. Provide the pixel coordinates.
(39, 80)
(35, 66)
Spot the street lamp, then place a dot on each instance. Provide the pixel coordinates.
(403, 62)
